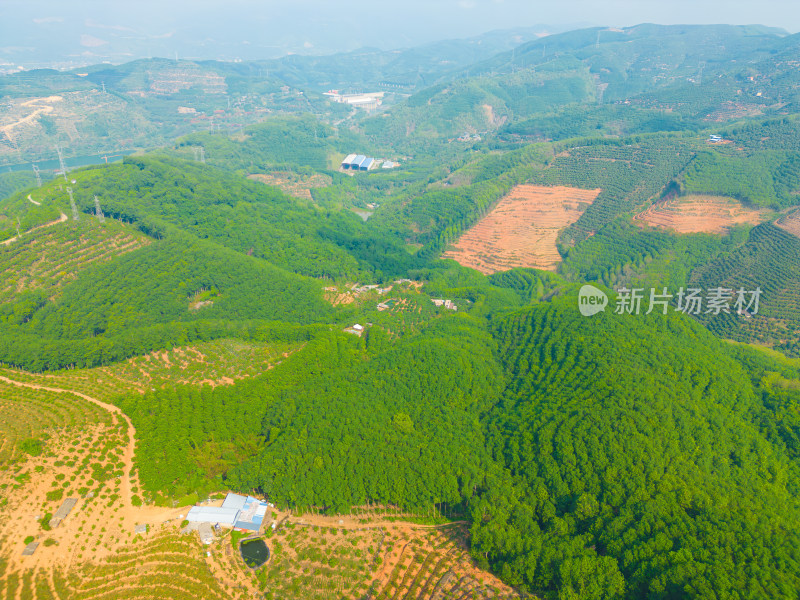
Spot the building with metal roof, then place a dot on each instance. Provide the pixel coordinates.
(64, 510)
(347, 162)
(235, 501)
(252, 515)
(366, 164)
(213, 514)
(240, 512)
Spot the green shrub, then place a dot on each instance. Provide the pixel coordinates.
(32, 446)
(55, 495)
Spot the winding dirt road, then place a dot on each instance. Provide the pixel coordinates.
(129, 449)
(61, 219)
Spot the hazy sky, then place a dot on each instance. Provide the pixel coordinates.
(268, 28)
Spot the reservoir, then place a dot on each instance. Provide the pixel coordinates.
(254, 552)
(49, 167)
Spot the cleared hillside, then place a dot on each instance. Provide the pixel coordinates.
(522, 229)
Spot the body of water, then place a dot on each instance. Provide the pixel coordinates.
(254, 552)
(50, 167)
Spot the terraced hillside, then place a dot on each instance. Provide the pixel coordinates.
(26, 415)
(700, 214)
(770, 260)
(165, 566)
(219, 362)
(630, 172)
(521, 230)
(790, 223)
(47, 259)
(320, 558)
(75, 446)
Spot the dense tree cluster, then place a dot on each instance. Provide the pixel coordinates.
(616, 457)
(637, 468)
(169, 292)
(765, 178)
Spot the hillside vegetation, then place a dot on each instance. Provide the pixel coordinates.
(316, 349)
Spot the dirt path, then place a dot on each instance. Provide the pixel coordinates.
(349, 522)
(117, 529)
(131, 446)
(38, 109)
(35, 202)
(61, 219)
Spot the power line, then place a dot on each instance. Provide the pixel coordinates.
(61, 163)
(72, 205)
(98, 212)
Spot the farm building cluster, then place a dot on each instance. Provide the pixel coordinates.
(448, 304)
(239, 512)
(362, 162)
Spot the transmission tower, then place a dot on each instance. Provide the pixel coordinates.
(98, 212)
(38, 176)
(202, 155)
(61, 163)
(72, 204)
(18, 233)
(700, 74)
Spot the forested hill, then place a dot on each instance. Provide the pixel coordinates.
(638, 467)
(696, 72)
(611, 457)
(617, 457)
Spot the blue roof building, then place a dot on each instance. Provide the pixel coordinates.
(240, 512)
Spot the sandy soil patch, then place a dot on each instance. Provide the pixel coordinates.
(700, 214)
(521, 231)
(98, 524)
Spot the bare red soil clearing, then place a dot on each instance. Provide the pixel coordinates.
(521, 230)
(790, 223)
(700, 214)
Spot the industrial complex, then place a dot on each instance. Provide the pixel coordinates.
(367, 101)
(358, 162)
(361, 162)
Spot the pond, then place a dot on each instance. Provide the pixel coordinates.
(254, 552)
